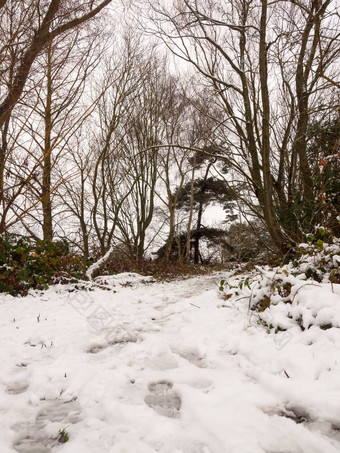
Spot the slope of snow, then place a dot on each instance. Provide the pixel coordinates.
(169, 368)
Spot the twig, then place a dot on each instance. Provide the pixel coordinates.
(302, 286)
(240, 298)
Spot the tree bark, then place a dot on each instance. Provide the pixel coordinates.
(191, 212)
(46, 183)
(266, 194)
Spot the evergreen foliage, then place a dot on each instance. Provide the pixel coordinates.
(25, 265)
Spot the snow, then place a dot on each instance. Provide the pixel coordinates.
(170, 367)
(124, 278)
(96, 265)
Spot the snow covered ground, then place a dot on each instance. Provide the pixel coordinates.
(172, 368)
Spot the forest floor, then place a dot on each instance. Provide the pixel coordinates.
(165, 367)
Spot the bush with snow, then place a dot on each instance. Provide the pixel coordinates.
(305, 293)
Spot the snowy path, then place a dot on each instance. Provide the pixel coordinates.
(161, 368)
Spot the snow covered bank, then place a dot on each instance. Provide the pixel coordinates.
(173, 368)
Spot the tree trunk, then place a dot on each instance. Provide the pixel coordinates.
(266, 195)
(83, 225)
(3, 153)
(171, 236)
(46, 184)
(197, 238)
(191, 211)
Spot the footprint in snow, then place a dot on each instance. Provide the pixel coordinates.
(32, 437)
(193, 357)
(117, 336)
(18, 383)
(163, 399)
(16, 388)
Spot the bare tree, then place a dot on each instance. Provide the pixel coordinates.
(57, 113)
(27, 28)
(121, 83)
(173, 168)
(140, 153)
(40, 23)
(271, 67)
(75, 193)
(140, 114)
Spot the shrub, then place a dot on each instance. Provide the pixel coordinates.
(248, 242)
(319, 258)
(281, 297)
(159, 269)
(25, 264)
